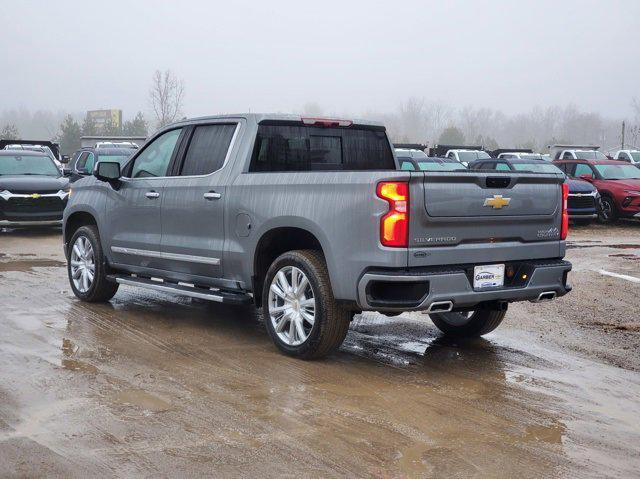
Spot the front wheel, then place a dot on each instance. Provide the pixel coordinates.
(301, 314)
(608, 212)
(468, 324)
(87, 267)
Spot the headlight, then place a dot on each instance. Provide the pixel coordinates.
(63, 193)
(632, 192)
(5, 194)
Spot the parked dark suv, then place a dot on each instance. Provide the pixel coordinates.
(33, 192)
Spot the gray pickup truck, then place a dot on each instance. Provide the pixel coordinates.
(311, 220)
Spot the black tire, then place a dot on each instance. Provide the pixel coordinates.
(481, 321)
(608, 211)
(331, 321)
(582, 222)
(101, 289)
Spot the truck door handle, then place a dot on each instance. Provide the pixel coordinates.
(212, 195)
(152, 194)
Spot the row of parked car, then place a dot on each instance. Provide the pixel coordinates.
(599, 187)
(35, 182)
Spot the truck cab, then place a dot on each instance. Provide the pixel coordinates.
(630, 156)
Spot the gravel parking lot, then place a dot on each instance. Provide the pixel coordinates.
(159, 385)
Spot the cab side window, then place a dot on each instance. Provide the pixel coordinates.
(207, 149)
(85, 162)
(567, 155)
(624, 157)
(582, 169)
(154, 160)
(90, 161)
(82, 161)
(501, 166)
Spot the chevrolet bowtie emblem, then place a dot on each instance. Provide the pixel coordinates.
(35, 196)
(497, 202)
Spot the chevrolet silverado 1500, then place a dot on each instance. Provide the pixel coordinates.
(312, 221)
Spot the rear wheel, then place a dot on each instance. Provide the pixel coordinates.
(468, 324)
(301, 314)
(608, 212)
(87, 267)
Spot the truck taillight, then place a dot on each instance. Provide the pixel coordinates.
(394, 226)
(564, 226)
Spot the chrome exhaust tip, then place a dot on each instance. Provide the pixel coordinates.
(546, 296)
(440, 307)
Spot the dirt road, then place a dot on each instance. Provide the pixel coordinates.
(159, 385)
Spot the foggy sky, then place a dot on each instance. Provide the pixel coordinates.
(347, 56)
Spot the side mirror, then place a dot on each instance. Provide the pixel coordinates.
(586, 177)
(64, 159)
(108, 171)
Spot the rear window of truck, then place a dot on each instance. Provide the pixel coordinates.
(309, 148)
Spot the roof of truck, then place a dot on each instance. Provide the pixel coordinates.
(259, 117)
(22, 153)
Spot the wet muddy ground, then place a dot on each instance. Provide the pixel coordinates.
(156, 385)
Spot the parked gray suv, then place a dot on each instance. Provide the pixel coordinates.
(311, 220)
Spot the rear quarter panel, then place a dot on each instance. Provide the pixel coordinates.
(340, 209)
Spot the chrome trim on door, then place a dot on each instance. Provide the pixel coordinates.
(171, 256)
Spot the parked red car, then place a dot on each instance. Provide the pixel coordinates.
(618, 183)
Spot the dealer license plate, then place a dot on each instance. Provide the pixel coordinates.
(488, 276)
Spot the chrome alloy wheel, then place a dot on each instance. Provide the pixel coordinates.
(292, 305)
(83, 266)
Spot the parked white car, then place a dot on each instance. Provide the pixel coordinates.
(630, 156)
(523, 156)
(467, 156)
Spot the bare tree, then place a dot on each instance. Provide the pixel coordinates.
(9, 132)
(167, 97)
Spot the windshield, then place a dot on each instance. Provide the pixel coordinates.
(440, 166)
(29, 165)
(636, 156)
(469, 156)
(590, 155)
(537, 167)
(618, 172)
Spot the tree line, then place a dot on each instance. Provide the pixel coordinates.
(416, 120)
(166, 98)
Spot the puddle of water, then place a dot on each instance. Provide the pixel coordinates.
(77, 365)
(27, 265)
(614, 246)
(625, 256)
(142, 399)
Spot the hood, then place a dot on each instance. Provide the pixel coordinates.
(33, 184)
(625, 184)
(579, 186)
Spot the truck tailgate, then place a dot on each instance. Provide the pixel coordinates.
(475, 217)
